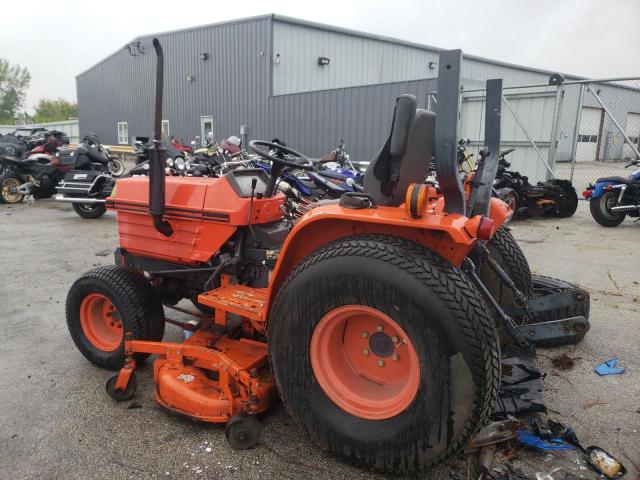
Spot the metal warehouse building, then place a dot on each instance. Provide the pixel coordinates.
(313, 85)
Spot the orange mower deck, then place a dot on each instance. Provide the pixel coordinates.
(210, 377)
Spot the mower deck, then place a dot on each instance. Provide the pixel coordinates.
(211, 376)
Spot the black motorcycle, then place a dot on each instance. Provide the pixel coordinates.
(553, 198)
(27, 177)
(88, 188)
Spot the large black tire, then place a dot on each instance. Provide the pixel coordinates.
(568, 202)
(506, 251)
(444, 317)
(8, 180)
(89, 211)
(137, 306)
(600, 210)
(548, 286)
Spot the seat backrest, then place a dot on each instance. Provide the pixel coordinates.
(405, 156)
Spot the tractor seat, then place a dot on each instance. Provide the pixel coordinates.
(625, 181)
(405, 156)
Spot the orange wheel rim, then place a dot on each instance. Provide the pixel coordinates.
(365, 362)
(100, 322)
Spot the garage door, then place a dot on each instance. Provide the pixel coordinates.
(633, 132)
(590, 121)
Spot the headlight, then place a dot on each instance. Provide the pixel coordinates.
(145, 166)
(169, 162)
(180, 163)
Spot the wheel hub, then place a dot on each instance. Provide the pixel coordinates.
(381, 344)
(365, 362)
(100, 322)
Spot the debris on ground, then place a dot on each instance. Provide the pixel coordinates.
(564, 362)
(610, 367)
(521, 383)
(103, 253)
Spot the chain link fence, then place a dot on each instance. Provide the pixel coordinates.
(579, 130)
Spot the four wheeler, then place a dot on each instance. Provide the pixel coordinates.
(367, 315)
(611, 199)
(554, 198)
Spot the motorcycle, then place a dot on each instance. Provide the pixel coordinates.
(90, 154)
(553, 198)
(87, 190)
(21, 177)
(611, 199)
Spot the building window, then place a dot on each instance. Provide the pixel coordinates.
(165, 127)
(123, 133)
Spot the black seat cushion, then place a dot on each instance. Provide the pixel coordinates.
(615, 180)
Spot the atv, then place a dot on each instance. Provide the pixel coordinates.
(369, 316)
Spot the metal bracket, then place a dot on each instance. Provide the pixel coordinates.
(487, 170)
(537, 332)
(449, 71)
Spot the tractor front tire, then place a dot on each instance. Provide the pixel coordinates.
(103, 305)
(506, 251)
(384, 352)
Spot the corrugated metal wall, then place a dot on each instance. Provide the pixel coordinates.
(308, 106)
(233, 86)
(354, 61)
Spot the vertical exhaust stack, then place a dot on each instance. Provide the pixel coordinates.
(157, 153)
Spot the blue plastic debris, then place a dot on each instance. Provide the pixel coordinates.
(530, 439)
(609, 368)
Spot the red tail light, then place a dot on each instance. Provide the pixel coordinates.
(485, 228)
(587, 193)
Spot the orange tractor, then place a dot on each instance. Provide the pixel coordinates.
(368, 316)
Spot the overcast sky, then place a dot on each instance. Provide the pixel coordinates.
(595, 38)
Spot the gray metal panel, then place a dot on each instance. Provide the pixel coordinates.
(232, 85)
(354, 60)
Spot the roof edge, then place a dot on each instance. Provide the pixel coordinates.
(268, 16)
(341, 30)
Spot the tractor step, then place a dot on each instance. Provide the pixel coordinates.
(240, 300)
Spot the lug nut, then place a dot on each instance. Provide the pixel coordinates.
(395, 356)
(381, 363)
(365, 334)
(379, 328)
(365, 351)
(394, 339)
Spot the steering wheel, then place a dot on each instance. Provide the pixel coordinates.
(307, 165)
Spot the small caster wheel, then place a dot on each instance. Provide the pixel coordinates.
(122, 395)
(242, 432)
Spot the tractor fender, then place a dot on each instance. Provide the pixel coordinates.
(451, 236)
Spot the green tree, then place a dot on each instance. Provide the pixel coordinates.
(14, 82)
(54, 110)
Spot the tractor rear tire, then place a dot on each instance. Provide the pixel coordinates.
(103, 305)
(446, 337)
(506, 251)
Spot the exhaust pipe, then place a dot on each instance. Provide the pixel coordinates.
(157, 154)
(87, 201)
(625, 208)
